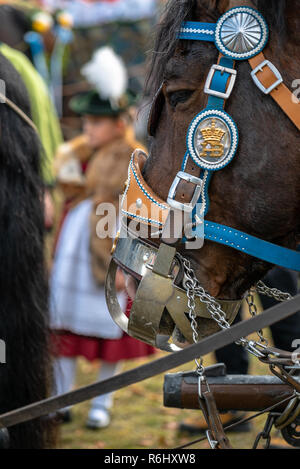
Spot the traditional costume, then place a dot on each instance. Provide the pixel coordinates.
(80, 318)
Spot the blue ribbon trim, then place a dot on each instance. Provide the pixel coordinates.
(197, 31)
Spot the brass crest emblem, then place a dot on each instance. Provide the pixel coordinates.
(211, 144)
(212, 139)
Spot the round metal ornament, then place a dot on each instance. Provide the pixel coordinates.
(212, 139)
(241, 33)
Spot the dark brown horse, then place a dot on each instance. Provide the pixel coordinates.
(259, 192)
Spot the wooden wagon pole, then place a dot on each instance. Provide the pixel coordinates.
(231, 392)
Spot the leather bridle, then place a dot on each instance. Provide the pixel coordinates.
(212, 140)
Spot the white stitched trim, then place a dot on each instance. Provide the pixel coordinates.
(197, 31)
(150, 220)
(133, 215)
(126, 190)
(230, 230)
(204, 201)
(144, 190)
(237, 246)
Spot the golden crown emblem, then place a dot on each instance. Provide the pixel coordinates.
(213, 134)
(211, 145)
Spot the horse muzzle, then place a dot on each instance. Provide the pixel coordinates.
(160, 307)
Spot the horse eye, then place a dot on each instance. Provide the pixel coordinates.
(180, 96)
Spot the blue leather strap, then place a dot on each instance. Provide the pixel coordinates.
(251, 245)
(215, 232)
(219, 83)
(197, 31)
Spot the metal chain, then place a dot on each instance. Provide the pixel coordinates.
(278, 295)
(191, 286)
(290, 413)
(193, 289)
(263, 289)
(266, 433)
(253, 312)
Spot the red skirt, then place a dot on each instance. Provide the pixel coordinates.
(68, 344)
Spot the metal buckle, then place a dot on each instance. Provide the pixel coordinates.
(187, 207)
(209, 79)
(259, 68)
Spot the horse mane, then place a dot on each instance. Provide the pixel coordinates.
(178, 11)
(25, 377)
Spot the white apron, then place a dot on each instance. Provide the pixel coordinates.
(77, 303)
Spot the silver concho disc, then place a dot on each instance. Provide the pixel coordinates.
(241, 33)
(212, 139)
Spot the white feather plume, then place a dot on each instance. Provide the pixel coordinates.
(106, 72)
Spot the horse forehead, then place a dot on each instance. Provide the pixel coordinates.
(176, 67)
(189, 64)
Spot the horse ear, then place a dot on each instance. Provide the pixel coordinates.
(156, 110)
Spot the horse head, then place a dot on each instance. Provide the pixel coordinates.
(259, 191)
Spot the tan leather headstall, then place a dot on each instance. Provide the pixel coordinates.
(268, 79)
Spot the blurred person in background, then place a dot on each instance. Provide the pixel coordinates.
(92, 169)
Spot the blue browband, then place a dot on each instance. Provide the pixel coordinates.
(198, 31)
(241, 33)
(213, 123)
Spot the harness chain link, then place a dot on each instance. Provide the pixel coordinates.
(262, 289)
(253, 312)
(193, 289)
(280, 421)
(266, 433)
(191, 286)
(272, 292)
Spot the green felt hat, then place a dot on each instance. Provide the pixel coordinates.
(90, 103)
